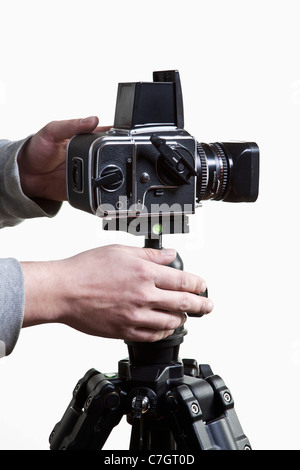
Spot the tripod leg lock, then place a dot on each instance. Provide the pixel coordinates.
(140, 405)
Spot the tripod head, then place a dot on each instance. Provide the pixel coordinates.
(165, 351)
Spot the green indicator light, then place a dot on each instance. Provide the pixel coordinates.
(111, 375)
(157, 229)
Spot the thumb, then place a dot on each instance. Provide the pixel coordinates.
(89, 124)
(61, 130)
(164, 256)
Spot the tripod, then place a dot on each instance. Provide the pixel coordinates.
(171, 404)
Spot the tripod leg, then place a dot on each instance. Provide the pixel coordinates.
(202, 416)
(186, 421)
(146, 435)
(95, 409)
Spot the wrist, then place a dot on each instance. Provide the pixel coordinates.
(25, 179)
(44, 293)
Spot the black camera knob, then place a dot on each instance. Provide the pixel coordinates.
(111, 179)
(172, 167)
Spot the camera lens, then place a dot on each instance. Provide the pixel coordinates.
(212, 172)
(227, 171)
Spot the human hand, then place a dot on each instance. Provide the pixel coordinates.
(116, 292)
(42, 160)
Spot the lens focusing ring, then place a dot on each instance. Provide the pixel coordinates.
(223, 173)
(202, 173)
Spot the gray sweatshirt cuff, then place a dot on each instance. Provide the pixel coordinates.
(11, 304)
(14, 205)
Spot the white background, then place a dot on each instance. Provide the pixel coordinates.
(240, 70)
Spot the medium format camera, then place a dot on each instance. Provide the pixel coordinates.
(148, 168)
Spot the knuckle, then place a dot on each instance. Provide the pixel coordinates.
(175, 322)
(143, 299)
(158, 335)
(129, 334)
(183, 281)
(150, 253)
(191, 283)
(134, 317)
(143, 273)
(154, 336)
(184, 303)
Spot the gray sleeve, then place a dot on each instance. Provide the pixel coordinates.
(14, 205)
(11, 304)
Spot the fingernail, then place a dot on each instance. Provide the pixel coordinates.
(87, 120)
(210, 305)
(168, 252)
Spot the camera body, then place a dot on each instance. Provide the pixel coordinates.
(148, 167)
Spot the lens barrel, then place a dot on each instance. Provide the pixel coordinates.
(228, 171)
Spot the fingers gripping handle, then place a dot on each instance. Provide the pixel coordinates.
(178, 264)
